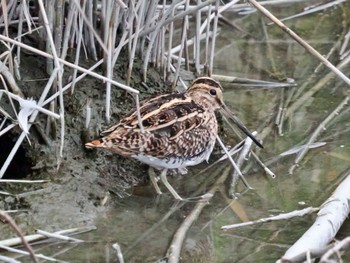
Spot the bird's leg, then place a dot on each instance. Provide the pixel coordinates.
(166, 183)
(152, 176)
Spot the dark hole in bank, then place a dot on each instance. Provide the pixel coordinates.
(20, 164)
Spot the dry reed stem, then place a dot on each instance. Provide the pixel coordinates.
(31, 238)
(284, 216)
(233, 163)
(66, 63)
(88, 22)
(241, 158)
(58, 236)
(177, 17)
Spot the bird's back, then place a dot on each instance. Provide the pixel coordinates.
(177, 132)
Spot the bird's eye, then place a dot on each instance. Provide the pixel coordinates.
(212, 92)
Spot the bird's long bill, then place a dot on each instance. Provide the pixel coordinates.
(240, 125)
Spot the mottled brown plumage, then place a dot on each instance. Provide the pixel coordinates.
(179, 129)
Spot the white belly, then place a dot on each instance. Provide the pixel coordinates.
(176, 162)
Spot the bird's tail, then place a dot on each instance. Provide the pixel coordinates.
(95, 144)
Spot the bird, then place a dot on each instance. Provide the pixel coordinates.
(175, 130)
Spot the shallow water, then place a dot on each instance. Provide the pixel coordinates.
(143, 224)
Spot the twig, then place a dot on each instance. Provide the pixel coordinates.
(30, 238)
(58, 236)
(23, 181)
(243, 155)
(233, 163)
(285, 216)
(335, 250)
(5, 72)
(15, 250)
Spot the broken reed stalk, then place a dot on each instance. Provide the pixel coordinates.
(241, 158)
(207, 39)
(19, 38)
(91, 33)
(233, 163)
(284, 216)
(119, 252)
(343, 244)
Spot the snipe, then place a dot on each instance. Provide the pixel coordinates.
(179, 130)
